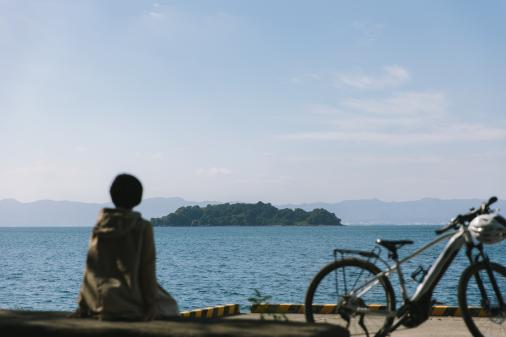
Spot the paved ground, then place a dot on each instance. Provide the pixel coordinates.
(434, 327)
(56, 324)
(39, 324)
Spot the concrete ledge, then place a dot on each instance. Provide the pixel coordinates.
(438, 310)
(55, 324)
(212, 312)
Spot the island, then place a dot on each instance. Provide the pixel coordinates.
(243, 214)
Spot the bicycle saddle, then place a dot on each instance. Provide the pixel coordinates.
(393, 245)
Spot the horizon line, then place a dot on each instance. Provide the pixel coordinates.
(248, 202)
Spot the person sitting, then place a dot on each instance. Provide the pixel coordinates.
(120, 280)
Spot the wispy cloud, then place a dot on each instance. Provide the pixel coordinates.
(401, 118)
(322, 109)
(155, 12)
(266, 180)
(411, 104)
(305, 78)
(390, 76)
(81, 148)
(438, 135)
(368, 31)
(164, 18)
(213, 172)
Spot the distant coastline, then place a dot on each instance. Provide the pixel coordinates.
(242, 214)
(51, 213)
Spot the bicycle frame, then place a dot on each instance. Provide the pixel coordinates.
(433, 275)
(421, 298)
(437, 270)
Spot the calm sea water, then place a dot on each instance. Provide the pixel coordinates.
(41, 268)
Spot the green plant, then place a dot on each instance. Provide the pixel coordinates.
(259, 298)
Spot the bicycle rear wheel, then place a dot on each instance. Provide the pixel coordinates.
(337, 296)
(481, 309)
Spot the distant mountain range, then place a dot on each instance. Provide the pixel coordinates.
(72, 213)
(374, 211)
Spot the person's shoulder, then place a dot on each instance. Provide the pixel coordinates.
(139, 221)
(145, 226)
(144, 222)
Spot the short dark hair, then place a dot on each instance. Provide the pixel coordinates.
(126, 191)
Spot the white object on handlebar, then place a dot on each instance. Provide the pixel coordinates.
(488, 228)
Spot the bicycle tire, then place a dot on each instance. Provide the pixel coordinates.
(468, 291)
(384, 288)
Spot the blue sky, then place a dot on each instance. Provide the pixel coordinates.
(280, 101)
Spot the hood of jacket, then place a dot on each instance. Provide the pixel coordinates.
(114, 222)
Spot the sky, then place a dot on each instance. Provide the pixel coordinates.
(279, 101)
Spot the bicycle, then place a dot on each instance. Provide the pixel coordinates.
(363, 299)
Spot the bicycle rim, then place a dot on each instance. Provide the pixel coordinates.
(332, 298)
(481, 310)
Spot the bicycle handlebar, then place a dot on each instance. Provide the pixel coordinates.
(462, 218)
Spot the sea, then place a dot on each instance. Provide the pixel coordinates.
(42, 268)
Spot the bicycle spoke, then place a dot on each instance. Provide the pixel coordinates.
(336, 284)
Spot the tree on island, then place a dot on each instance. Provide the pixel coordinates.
(242, 214)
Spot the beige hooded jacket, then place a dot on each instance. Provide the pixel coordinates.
(120, 280)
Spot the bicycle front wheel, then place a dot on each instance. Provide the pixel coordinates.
(347, 293)
(480, 300)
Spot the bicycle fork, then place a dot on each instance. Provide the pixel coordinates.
(485, 303)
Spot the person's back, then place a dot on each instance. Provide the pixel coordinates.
(120, 279)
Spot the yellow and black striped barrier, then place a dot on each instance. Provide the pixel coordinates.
(212, 312)
(277, 308)
(322, 309)
(442, 310)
